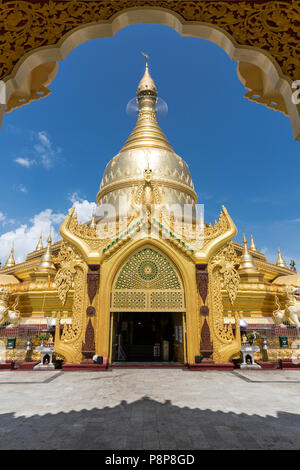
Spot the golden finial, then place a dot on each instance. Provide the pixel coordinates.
(147, 132)
(49, 241)
(146, 57)
(46, 263)
(247, 264)
(93, 221)
(280, 261)
(252, 244)
(39, 246)
(11, 260)
(146, 85)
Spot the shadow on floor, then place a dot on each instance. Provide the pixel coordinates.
(148, 424)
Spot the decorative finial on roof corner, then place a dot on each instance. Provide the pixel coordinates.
(40, 246)
(252, 244)
(247, 264)
(49, 241)
(280, 261)
(46, 262)
(11, 260)
(93, 221)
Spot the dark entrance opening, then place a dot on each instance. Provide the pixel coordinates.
(148, 337)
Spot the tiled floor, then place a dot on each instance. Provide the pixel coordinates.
(150, 409)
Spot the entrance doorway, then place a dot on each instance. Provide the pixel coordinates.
(148, 337)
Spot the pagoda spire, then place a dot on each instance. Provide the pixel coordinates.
(46, 262)
(11, 260)
(252, 244)
(247, 264)
(147, 132)
(280, 261)
(39, 246)
(93, 222)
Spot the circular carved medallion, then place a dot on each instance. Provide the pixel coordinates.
(90, 311)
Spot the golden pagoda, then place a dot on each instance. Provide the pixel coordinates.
(39, 246)
(280, 261)
(147, 281)
(252, 244)
(11, 260)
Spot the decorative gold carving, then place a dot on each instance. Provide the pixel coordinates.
(223, 274)
(72, 270)
(7, 315)
(66, 259)
(166, 300)
(192, 234)
(147, 282)
(84, 237)
(271, 26)
(226, 261)
(128, 300)
(81, 230)
(148, 269)
(131, 300)
(148, 191)
(213, 231)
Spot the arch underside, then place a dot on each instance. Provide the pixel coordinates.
(263, 37)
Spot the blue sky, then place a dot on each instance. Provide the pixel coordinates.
(240, 154)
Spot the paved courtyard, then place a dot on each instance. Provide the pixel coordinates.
(150, 409)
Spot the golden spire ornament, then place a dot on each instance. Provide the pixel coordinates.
(46, 264)
(147, 132)
(280, 261)
(93, 222)
(39, 246)
(147, 82)
(252, 244)
(247, 264)
(11, 260)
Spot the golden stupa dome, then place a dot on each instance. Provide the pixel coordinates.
(147, 150)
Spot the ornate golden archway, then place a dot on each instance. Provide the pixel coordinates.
(148, 282)
(263, 36)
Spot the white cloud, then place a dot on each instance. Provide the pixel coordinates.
(25, 237)
(83, 208)
(40, 150)
(44, 149)
(24, 162)
(22, 188)
(5, 221)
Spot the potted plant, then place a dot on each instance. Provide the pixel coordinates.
(43, 337)
(252, 337)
